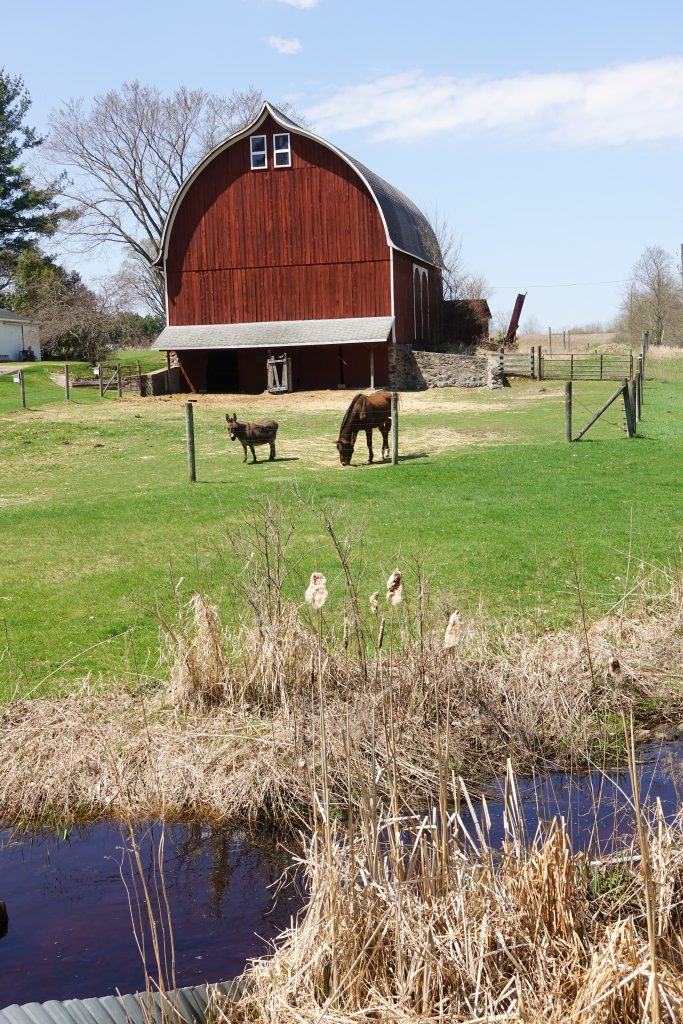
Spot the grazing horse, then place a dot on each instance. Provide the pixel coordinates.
(251, 434)
(364, 413)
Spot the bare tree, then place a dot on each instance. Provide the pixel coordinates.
(127, 154)
(458, 283)
(653, 301)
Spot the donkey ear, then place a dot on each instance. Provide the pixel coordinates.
(227, 416)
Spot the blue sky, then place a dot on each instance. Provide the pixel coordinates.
(550, 136)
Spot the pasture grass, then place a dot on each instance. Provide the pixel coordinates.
(97, 517)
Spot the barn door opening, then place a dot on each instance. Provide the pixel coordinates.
(222, 371)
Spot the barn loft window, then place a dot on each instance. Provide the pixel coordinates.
(282, 150)
(259, 153)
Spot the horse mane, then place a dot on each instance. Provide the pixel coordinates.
(349, 411)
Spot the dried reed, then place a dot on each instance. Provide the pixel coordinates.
(226, 736)
(439, 926)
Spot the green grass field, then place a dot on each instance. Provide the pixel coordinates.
(42, 390)
(97, 516)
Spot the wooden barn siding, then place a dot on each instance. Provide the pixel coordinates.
(403, 299)
(303, 242)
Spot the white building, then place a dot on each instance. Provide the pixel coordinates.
(19, 338)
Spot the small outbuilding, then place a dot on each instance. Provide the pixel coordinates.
(279, 246)
(19, 338)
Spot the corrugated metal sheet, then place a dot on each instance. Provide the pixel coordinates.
(279, 334)
(183, 1005)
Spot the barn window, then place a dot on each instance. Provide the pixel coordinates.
(282, 150)
(420, 302)
(259, 153)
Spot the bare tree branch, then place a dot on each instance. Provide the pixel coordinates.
(653, 300)
(458, 283)
(126, 156)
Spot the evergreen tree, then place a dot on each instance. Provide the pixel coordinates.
(27, 211)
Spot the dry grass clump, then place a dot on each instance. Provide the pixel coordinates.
(233, 734)
(199, 670)
(413, 919)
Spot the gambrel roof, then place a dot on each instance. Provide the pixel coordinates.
(405, 225)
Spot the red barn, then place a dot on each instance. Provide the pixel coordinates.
(278, 243)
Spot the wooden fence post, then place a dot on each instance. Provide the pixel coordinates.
(571, 366)
(22, 389)
(531, 362)
(564, 341)
(66, 382)
(189, 431)
(641, 378)
(637, 389)
(100, 372)
(118, 378)
(601, 366)
(632, 401)
(372, 367)
(539, 360)
(550, 339)
(394, 428)
(627, 409)
(568, 411)
(139, 378)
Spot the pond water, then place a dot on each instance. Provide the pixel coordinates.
(597, 806)
(70, 933)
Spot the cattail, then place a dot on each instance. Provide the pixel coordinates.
(395, 587)
(614, 670)
(374, 600)
(345, 637)
(453, 630)
(380, 635)
(316, 594)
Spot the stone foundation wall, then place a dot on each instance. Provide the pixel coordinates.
(417, 371)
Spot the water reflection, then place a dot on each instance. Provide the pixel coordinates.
(597, 806)
(70, 932)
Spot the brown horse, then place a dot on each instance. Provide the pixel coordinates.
(364, 413)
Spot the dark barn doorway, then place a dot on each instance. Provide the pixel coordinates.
(222, 371)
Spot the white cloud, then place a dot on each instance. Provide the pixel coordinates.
(639, 102)
(286, 46)
(301, 4)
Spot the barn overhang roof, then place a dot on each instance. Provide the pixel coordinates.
(276, 334)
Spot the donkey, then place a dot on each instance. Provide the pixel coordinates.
(251, 434)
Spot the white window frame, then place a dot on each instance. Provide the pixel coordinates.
(422, 273)
(287, 150)
(257, 167)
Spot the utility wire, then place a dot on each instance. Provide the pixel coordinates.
(574, 284)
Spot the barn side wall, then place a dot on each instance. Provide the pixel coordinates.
(404, 301)
(297, 243)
